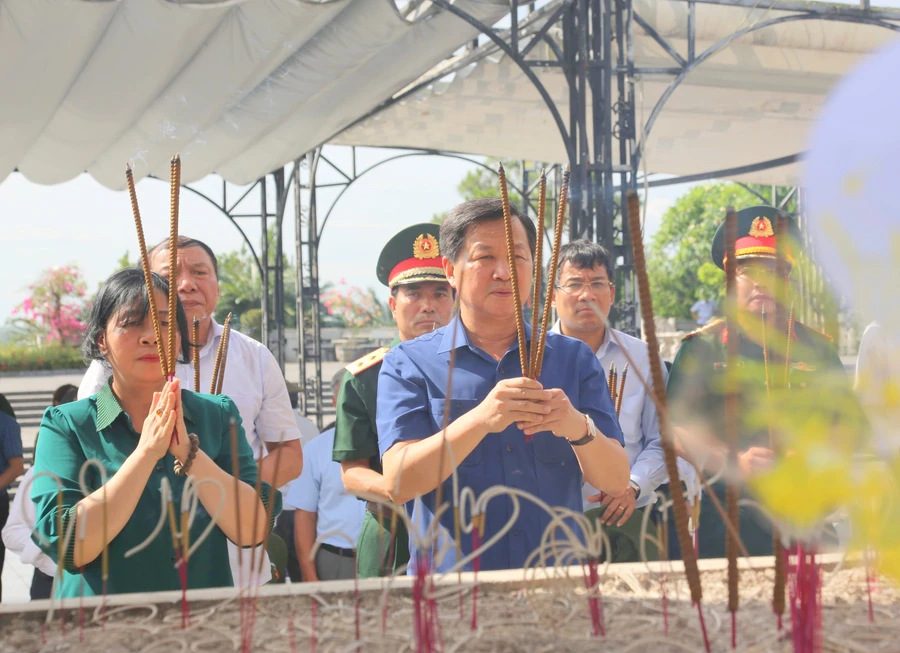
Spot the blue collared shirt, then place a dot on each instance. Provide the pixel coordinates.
(319, 489)
(10, 442)
(412, 389)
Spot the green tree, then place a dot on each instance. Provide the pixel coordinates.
(124, 262)
(678, 260)
(480, 183)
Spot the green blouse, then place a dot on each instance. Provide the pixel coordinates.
(97, 428)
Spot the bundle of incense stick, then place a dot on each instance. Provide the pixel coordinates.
(167, 355)
(532, 361)
(218, 375)
(513, 270)
(195, 352)
(621, 391)
(551, 274)
(611, 382)
(175, 179)
(780, 383)
(731, 416)
(679, 506)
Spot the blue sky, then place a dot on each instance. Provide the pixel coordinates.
(80, 222)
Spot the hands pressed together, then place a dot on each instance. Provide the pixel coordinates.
(165, 417)
(526, 403)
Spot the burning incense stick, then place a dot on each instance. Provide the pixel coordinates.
(226, 336)
(781, 300)
(731, 415)
(145, 266)
(678, 503)
(538, 276)
(611, 382)
(236, 475)
(195, 352)
(620, 393)
(215, 387)
(551, 272)
(173, 263)
(513, 271)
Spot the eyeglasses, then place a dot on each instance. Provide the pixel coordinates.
(577, 287)
(757, 271)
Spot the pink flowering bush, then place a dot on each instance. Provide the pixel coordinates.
(56, 306)
(354, 307)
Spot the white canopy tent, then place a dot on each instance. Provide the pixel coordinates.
(240, 87)
(754, 101)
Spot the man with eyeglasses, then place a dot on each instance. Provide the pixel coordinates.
(583, 299)
(820, 395)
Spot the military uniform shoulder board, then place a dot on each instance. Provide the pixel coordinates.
(367, 361)
(821, 334)
(706, 328)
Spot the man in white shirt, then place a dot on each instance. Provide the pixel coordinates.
(324, 509)
(253, 379)
(17, 538)
(583, 298)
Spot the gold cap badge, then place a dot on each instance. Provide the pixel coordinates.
(761, 228)
(425, 246)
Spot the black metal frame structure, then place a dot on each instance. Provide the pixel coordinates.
(591, 42)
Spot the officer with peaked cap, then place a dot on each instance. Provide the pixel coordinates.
(421, 301)
(804, 358)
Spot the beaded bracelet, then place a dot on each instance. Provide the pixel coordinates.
(183, 469)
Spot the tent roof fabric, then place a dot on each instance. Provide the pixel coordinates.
(754, 101)
(240, 87)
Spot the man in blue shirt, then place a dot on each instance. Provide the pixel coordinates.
(11, 464)
(544, 436)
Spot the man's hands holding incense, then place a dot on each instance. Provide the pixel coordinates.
(523, 401)
(526, 403)
(563, 420)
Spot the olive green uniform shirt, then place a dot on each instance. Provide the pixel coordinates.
(355, 433)
(98, 429)
(356, 438)
(817, 386)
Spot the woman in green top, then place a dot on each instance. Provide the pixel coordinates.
(137, 461)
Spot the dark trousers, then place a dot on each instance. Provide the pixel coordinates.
(284, 528)
(4, 515)
(41, 584)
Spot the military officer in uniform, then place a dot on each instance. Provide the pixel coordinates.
(421, 301)
(817, 385)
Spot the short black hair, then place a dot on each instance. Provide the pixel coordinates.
(183, 243)
(64, 394)
(584, 254)
(126, 290)
(455, 226)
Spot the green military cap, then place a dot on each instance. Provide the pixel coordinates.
(756, 236)
(411, 256)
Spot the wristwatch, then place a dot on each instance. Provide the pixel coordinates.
(637, 489)
(591, 433)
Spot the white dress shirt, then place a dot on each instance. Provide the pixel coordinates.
(254, 382)
(319, 489)
(17, 532)
(638, 418)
